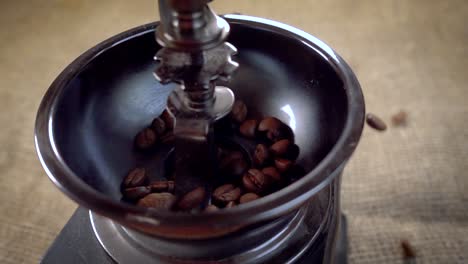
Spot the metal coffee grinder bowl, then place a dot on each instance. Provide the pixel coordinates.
(88, 118)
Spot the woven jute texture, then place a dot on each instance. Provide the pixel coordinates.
(406, 183)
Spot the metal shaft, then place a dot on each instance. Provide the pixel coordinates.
(195, 55)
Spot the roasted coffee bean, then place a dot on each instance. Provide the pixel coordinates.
(272, 174)
(231, 204)
(399, 119)
(239, 111)
(285, 148)
(254, 181)
(269, 123)
(192, 199)
(145, 139)
(281, 147)
(158, 200)
(211, 208)
(162, 186)
(158, 125)
(275, 129)
(408, 251)
(248, 128)
(226, 193)
(233, 164)
(136, 177)
(261, 155)
(248, 197)
(135, 193)
(168, 119)
(168, 138)
(283, 164)
(375, 122)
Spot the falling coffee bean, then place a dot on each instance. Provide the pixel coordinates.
(211, 208)
(248, 197)
(261, 155)
(162, 186)
(408, 251)
(375, 122)
(283, 164)
(226, 193)
(192, 199)
(145, 139)
(135, 193)
(399, 119)
(230, 204)
(272, 174)
(158, 125)
(239, 111)
(248, 128)
(136, 177)
(157, 200)
(254, 181)
(233, 164)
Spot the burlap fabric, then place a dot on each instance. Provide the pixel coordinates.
(409, 182)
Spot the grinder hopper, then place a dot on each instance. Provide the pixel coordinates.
(87, 121)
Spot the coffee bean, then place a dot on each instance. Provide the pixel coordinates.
(168, 138)
(269, 123)
(162, 186)
(211, 208)
(248, 197)
(226, 193)
(168, 119)
(275, 129)
(272, 174)
(239, 111)
(280, 147)
(145, 139)
(248, 128)
(408, 251)
(230, 204)
(399, 119)
(158, 126)
(158, 200)
(233, 164)
(375, 122)
(280, 133)
(261, 155)
(136, 177)
(254, 181)
(285, 148)
(283, 164)
(135, 193)
(192, 199)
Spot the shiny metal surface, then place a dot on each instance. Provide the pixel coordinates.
(283, 240)
(194, 55)
(89, 116)
(190, 25)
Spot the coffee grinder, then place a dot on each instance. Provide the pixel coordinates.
(87, 120)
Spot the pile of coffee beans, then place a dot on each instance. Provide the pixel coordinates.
(244, 177)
